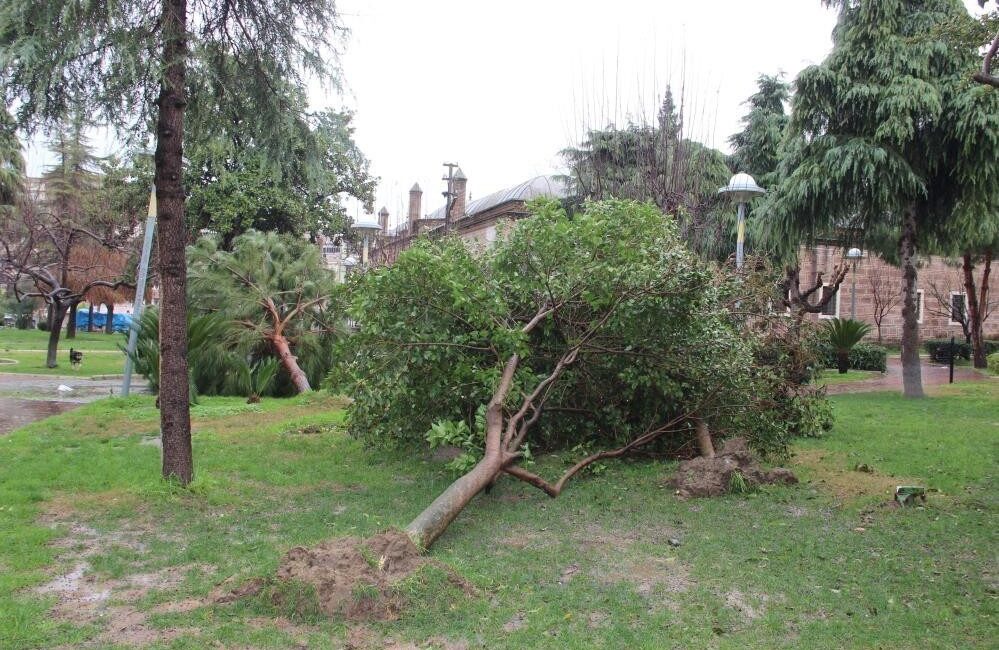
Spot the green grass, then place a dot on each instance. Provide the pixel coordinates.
(101, 355)
(831, 377)
(818, 565)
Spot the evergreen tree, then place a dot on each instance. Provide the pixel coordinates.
(203, 70)
(890, 133)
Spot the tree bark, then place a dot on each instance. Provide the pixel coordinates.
(843, 361)
(434, 520)
(90, 317)
(109, 323)
(976, 304)
(57, 312)
(174, 396)
(290, 363)
(71, 323)
(912, 378)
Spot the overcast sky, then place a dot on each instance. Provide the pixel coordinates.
(501, 87)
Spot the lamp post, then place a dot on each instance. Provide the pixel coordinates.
(140, 292)
(853, 255)
(742, 189)
(367, 226)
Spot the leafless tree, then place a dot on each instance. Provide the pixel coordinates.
(38, 259)
(886, 294)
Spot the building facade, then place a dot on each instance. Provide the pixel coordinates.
(873, 291)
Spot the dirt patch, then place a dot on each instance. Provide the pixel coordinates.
(516, 622)
(353, 578)
(749, 608)
(647, 574)
(829, 472)
(733, 468)
(83, 597)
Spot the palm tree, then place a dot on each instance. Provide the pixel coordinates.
(844, 333)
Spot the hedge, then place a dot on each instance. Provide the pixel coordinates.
(863, 356)
(939, 349)
(994, 363)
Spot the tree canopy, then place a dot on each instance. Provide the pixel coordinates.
(600, 332)
(890, 135)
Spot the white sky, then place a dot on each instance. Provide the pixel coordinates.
(502, 87)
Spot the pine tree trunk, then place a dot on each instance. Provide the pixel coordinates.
(90, 317)
(912, 378)
(71, 323)
(975, 325)
(290, 363)
(109, 323)
(57, 312)
(174, 396)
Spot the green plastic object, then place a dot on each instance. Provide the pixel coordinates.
(907, 495)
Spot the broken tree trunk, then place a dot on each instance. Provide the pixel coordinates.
(290, 363)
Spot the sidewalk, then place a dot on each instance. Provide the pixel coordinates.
(934, 374)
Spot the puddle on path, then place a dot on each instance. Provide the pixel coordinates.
(16, 413)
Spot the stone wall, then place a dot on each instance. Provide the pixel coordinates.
(877, 282)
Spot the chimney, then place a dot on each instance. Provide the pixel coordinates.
(415, 199)
(458, 207)
(383, 216)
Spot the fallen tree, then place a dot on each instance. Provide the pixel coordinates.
(598, 333)
(274, 289)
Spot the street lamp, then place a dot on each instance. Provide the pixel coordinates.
(853, 255)
(367, 226)
(742, 189)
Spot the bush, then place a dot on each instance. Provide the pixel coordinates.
(994, 363)
(939, 349)
(863, 356)
(438, 328)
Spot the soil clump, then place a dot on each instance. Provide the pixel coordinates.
(353, 578)
(733, 468)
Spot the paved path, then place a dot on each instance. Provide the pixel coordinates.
(934, 374)
(26, 398)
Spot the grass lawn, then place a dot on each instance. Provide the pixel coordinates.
(818, 565)
(100, 352)
(831, 376)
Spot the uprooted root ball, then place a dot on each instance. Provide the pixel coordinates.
(734, 468)
(348, 578)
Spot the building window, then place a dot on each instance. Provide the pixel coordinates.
(919, 306)
(831, 309)
(958, 308)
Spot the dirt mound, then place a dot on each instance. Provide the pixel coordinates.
(352, 578)
(733, 468)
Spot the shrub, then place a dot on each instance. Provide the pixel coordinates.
(863, 356)
(843, 334)
(994, 363)
(939, 349)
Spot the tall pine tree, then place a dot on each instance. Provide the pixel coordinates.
(890, 132)
(197, 70)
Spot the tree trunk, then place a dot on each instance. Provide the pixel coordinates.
(435, 518)
(174, 396)
(71, 323)
(109, 323)
(290, 363)
(704, 443)
(912, 378)
(843, 361)
(57, 312)
(975, 324)
(90, 317)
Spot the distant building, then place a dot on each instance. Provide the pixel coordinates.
(940, 294)
(475, 221)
